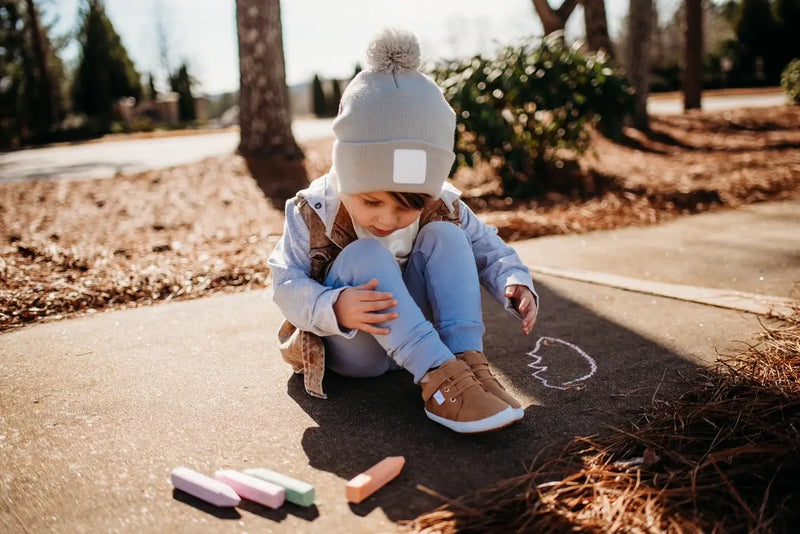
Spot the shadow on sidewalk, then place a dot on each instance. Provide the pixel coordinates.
(365, 420)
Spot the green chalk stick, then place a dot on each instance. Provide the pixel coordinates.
(297, 491)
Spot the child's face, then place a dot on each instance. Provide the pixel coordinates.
(379, 213)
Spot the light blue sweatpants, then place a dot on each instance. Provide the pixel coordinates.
(438, 304)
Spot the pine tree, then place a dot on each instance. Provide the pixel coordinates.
(105, 72)
(31, 98)
(182, 84)
(12, 56)
(151, 87)
(755, 30)
(42, 72)
(336, 96)
(318, 94)
(787, 14)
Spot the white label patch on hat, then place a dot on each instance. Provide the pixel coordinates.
(410, 166)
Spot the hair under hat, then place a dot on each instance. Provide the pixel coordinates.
(395, 130)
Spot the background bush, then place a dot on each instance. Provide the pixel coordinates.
(790, 81)
(528, 111)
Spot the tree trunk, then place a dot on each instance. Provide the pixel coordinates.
(693, 71)
(554, 20)
(43, 73)
(594, 14)
(267, 142)
(640, 23)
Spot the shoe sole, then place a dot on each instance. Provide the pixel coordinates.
(488, 424)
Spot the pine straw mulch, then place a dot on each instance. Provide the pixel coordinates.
(76, 247)
(687, 164)
(723, 457)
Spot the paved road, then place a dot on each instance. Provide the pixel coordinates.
(97, 410)
(672, 106)
(109, 158)
(106, 159)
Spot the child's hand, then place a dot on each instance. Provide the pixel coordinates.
(523, 301)
(355, 306)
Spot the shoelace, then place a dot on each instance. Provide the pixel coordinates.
(480, 367)
(457, 382)
(485, 373)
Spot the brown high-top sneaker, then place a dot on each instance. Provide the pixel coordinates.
(479, 366)
(454, 398)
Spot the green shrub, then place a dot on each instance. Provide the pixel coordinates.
(142, 124)
(78, 127)
(790, 81)
(528, 111)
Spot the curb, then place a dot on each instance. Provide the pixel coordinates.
(767, 305)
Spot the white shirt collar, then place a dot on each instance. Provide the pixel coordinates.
(323, 195)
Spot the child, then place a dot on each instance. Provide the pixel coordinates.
(380, 263)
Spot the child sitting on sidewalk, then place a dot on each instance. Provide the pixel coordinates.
(380, 264)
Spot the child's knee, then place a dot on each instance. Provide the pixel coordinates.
(441, 231)
(362, 260)
(363, 249)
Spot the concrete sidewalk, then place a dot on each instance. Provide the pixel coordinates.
(96, 411)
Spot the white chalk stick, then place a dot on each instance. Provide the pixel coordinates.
(252, 488)
(203, 487)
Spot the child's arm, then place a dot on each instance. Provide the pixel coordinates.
(499, 266)
(306, 303)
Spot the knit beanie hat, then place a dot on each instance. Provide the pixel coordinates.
(395, 130)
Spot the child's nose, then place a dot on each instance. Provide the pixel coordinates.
(389, 219)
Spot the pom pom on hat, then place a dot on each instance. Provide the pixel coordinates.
(393, 50)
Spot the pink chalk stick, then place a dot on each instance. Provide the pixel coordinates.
(203, 487)
(252, 488)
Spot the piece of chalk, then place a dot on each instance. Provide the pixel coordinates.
(297, 491)
(203, 487)
(365, 484)
(252, 488)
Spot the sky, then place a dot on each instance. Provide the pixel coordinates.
(325, 37)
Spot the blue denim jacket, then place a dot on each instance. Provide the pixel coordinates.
(308, 304)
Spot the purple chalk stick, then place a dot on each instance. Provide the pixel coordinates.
(253, 488)
(203, 487)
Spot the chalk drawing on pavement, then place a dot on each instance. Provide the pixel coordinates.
(540, 368)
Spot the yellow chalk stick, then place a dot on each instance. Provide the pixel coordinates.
(365, 484)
